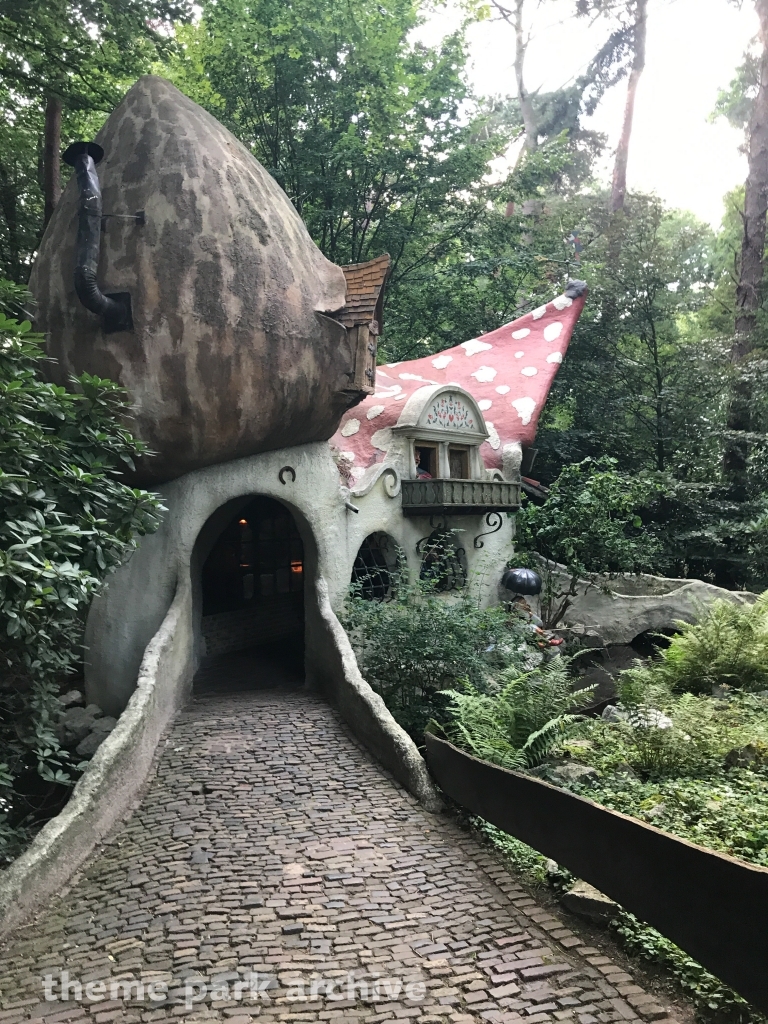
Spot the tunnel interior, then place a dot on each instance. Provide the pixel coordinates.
(253, 601)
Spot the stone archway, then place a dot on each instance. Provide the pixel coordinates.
(252, 570)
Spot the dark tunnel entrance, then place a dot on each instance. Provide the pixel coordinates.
(253, 601)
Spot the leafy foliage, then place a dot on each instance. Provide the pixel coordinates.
(381, 147)
(85, 55)
(704, 989)
(66, 521)
(519, 726)
(726, 646)
(680, 779)
(590, 521)
(418, 644)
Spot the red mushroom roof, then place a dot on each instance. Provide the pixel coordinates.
(508, 372)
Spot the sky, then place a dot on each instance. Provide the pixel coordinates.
(693, 49)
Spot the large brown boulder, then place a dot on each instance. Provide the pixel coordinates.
(232, 350)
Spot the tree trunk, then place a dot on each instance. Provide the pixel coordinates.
(619, 187)
(750, 287)
(52, 157)
(526, 106)
(9, 205)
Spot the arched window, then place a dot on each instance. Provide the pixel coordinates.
(442, 561)
(377, 566)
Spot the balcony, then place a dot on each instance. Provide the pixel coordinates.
(459, 497)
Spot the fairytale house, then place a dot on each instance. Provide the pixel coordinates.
(432, 458)
(290, 464)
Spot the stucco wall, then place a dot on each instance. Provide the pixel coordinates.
(126, 616)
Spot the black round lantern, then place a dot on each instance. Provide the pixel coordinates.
(522, 581)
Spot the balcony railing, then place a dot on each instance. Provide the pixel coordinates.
(459, 497)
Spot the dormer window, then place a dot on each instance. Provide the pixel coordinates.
(442, 429)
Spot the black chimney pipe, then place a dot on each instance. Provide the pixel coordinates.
(114, 308)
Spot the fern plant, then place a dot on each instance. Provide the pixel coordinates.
(518, 727)
(727, 645)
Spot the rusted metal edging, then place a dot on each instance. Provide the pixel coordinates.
(712, 906)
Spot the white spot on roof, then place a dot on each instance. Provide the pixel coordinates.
(524, 407)
(350, 427)
(503, 389)
(522, 333)
(562, 302)
(555, 357)
(538, 313)
(441, 362)
(382, 439)
(356, 472)
(388, 391)
(379, 370)
(486, 403)
(493, 438)
(474, 346)
(484, 374)
(390, 365)
(415, 376)
(529, 371)
(519, 355)
(374, 411)
(349, 456)
(553, 331)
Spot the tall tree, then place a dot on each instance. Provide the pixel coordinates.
(366, 131)
(631, 17)
(51, 157)
(60, 56)
(749, 290)
(619, 181)
(546, 116)
(631, 386)
(523, 96)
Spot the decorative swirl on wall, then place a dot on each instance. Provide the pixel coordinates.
(283, 471)
(495, 520)
(391, 483)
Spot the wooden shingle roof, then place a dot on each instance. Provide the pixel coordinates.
(365, 292)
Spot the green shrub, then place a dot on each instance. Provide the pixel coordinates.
(705, 990)
(66, 520)
(728, 645)
(519, 726)
(682, 779)
(590, 524)
(418, 644)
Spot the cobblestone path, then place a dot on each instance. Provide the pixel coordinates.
(273, 871)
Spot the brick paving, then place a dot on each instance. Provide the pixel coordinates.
(274, 871)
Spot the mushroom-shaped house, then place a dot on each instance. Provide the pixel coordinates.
(289, 463)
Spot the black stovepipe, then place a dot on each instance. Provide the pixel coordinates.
(116, 308)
